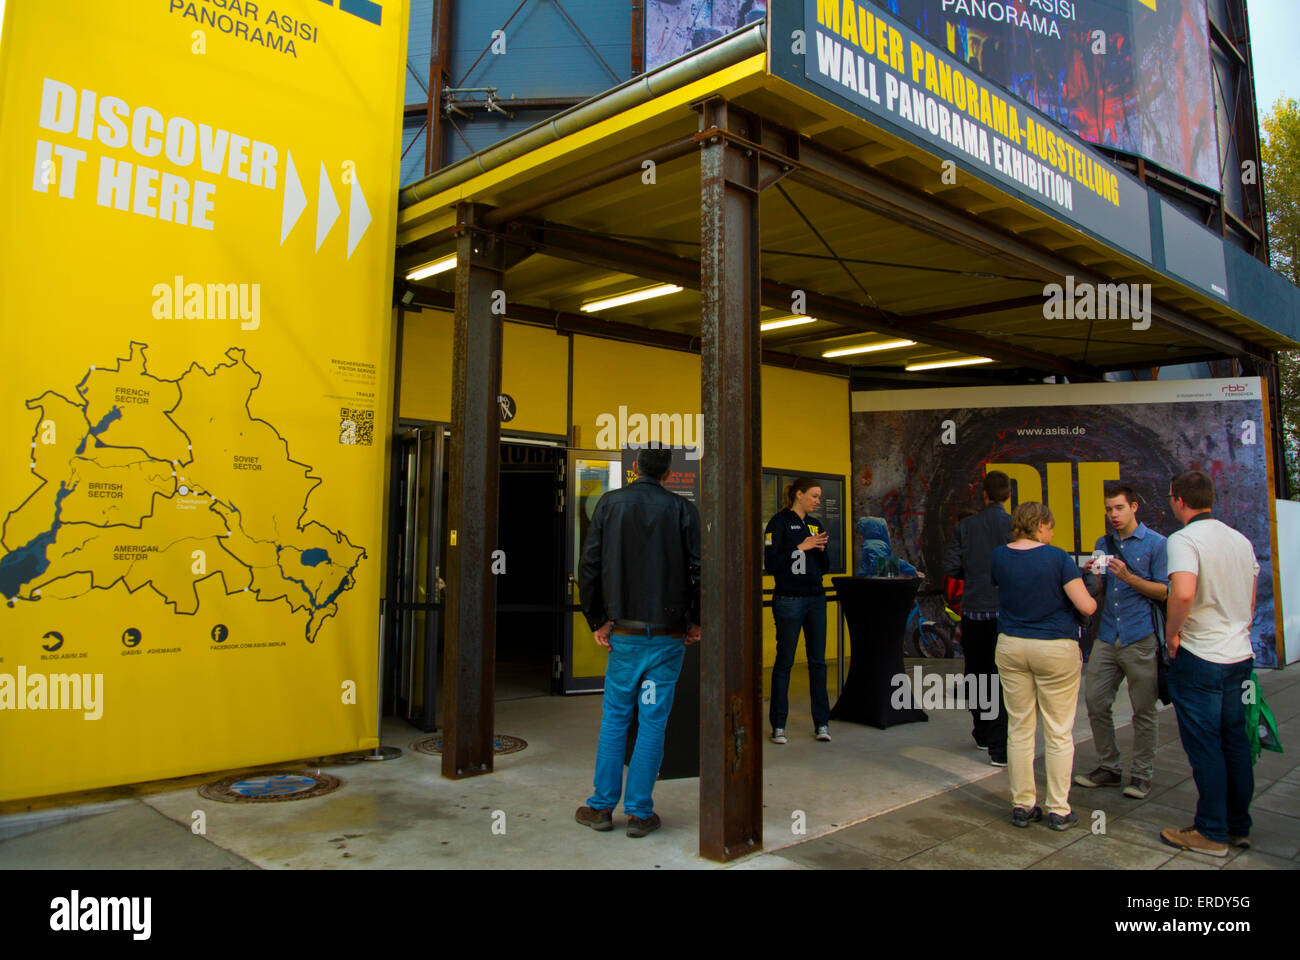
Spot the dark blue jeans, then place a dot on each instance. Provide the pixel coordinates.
(1209, 701)
(791, 615)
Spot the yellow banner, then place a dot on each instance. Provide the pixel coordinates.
(198, 202)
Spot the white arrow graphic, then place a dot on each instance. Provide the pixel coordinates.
(327, 209)
(358, 215)
(295, 201)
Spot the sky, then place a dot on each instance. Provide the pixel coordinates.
(1274, 30)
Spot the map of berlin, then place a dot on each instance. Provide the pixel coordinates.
(162, 483)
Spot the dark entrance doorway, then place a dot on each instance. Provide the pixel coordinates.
(531, 597)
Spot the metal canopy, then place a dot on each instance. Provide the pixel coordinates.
(859, 221)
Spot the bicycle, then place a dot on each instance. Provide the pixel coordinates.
(931, 638)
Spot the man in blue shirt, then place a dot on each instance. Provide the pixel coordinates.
(1135, 577)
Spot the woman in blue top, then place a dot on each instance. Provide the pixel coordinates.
(1038, 659)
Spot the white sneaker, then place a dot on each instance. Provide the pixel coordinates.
(824, 734)
(778, 735)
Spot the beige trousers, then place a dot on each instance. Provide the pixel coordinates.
(1040, 676)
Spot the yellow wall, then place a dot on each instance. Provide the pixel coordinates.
(805, 415)
(534, 370)
(426, 365)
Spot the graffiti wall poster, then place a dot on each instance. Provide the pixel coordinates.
(1134, 75)
(676, 27)
(1060, 444)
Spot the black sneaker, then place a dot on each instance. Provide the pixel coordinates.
(997, 760)
(1101, 777)
(1020, 817)
(1058, 822)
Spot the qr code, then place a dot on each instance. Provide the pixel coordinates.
(356, 426)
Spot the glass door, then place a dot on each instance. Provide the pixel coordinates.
(419, 593)
(592, 474)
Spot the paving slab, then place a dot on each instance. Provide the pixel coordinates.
(134, 837)
(827, 854)
(1092, 852)
(984, 848)
(1283, 798)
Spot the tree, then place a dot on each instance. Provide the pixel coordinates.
(1281, 155)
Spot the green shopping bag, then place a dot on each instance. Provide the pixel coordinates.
(1261, 728)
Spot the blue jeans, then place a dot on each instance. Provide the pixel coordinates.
(639, 667)
(1208, 699)
(791, 614)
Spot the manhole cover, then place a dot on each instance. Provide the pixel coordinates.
(501, 743)
(270, 787)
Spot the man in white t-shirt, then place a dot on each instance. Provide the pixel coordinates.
(1212, 578)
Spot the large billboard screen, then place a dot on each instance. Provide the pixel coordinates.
(1133, 75)
(1060, 444)
(676, 27)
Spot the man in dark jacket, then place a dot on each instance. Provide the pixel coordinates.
(640, 587)
(968, 557)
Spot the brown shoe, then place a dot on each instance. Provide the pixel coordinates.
(1191, 839)
(1101, 777)
(602, 820)
(1137, 788)
(636, 827)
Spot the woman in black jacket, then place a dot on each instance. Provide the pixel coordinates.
(794, 553)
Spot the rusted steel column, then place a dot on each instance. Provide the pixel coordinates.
(439, 57)
(731, 721)
(469, 663)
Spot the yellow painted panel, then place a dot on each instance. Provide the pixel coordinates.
(535, 372)
(426, 365)
(608, 375)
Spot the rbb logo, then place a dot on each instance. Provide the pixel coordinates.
(1234, 388)
(367, 10)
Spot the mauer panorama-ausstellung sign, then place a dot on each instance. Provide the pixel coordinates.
(874, 66)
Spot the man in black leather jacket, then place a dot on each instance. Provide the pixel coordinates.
(640, 588)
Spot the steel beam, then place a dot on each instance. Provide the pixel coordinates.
(469, 681)
(562, 322)
(840, 176)
(566, 243)
(597, 178)
(731, 752)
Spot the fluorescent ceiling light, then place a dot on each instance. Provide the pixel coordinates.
(870, 348)
(787, 322)
(964, 362)
(429, 269)
(634, 297)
